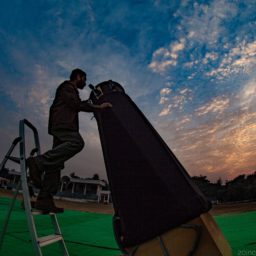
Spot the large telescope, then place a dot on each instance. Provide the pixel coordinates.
(152, 192)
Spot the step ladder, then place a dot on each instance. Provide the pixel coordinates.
(37, 243)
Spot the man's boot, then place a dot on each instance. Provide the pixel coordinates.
(53, 203)
(46, 204)
(34, 173)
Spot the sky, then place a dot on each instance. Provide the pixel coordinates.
(188, 65)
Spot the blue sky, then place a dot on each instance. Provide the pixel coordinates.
(188, 65)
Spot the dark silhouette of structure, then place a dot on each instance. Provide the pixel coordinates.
(152, 192)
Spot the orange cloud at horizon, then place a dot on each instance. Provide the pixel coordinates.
(219, 140)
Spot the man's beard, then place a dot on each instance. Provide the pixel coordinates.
(80, 84)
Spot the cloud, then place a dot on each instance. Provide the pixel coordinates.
(218, 137)
(182, 92)
(240, 59)
(192, 75)
(163, 93)
(162, 65)
(166, 110)
(218, 105)
(164, 57)
(39, 53)
(178, 46)
(178, 100)
(198, 32)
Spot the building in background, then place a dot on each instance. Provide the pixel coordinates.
(91, 190)
(71, 188)
(9, 178)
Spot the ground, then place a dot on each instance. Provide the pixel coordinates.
(75, 206)
(216, 210)
(88, 233)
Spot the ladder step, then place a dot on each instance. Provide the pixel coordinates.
(48, 240)
(14, 159)
(30, 184)
(41, 212)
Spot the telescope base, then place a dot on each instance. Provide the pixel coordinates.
(180, 241)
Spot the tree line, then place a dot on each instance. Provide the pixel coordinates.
(242, 187)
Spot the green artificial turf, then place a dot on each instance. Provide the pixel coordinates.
(240, 231)
(91, 234)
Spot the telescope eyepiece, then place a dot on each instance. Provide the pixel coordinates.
(96, 91)
(91, 86)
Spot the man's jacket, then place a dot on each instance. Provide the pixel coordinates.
(65, 108)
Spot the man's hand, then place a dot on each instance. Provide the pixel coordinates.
(105, 105)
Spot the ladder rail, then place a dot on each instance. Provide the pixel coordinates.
(30, 220)
(33, 128)
(33, 234)
(58, 232)
(9, 214)
(14, 143)
(55, 224)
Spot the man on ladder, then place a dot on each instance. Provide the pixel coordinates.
(64, 127)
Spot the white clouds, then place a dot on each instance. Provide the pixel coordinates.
(160, 51)
(67, 65)
(205, 23)
(173, 55)
(178, 46)
(246, 52)
(202, 52)
(217, 105)
(163, 93)
(211, 56)
(191, 34)
(185, 119)
(188, 64)
(166, 110)
(219, 136)
(161, 66)
(163, 58)
(241, 58)
(162, 100)
(157, 66)
(248, 93)
(177, 100)
(183, 91)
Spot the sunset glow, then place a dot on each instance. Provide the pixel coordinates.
(190, 66)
